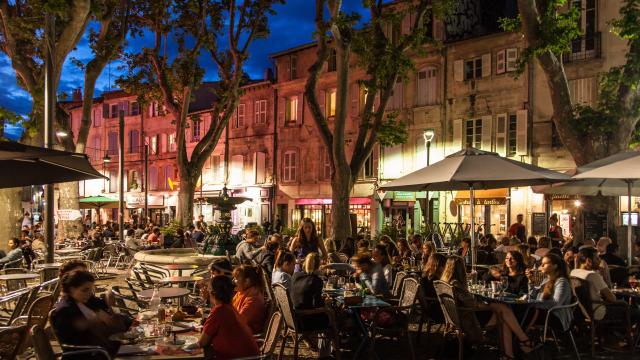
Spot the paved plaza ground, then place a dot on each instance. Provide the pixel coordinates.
(430, 346)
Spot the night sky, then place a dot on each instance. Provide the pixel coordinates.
(292, 25)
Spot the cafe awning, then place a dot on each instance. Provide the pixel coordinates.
(484, 197)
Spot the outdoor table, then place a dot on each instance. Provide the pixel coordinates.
(368, 302)
(166, 293)
(48, 265)
(512, 301)
(180, 267)
(25, 277)
(67, 251)
(181, 280)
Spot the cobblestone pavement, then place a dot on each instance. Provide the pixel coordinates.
(430, 346)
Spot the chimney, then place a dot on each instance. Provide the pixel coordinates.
(77, 94)
(268, 74)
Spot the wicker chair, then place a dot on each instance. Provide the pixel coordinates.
(587, 305)
(402, 313)
(294, 318)
(397, 283)
(450, 310)
(11, 341)
(343, 257)
(38, 312)
(44, 351)
(536, 278)
(270, 340)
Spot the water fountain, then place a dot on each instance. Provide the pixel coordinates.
(222, 242)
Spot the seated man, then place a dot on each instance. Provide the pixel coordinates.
(15, 252)
(604, 306)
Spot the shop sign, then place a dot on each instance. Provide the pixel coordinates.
(538, 223)
(69, 214)
(137, 200)
(561, 197)
(404, 196)
(483, 201)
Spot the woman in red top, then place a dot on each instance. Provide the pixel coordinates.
(249, 299)
(224, 335)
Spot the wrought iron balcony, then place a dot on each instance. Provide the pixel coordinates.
(585, 47)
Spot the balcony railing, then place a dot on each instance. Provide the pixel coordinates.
(585, 47)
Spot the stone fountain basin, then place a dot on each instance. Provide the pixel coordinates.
(174, 256)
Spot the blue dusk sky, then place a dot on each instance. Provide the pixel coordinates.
(292, 25)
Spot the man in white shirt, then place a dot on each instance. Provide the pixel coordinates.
(598, 290)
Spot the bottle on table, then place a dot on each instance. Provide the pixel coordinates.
(154, 303)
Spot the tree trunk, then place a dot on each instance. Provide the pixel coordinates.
(68, 195)
(11, 210)
(185, 198)
(340, 219)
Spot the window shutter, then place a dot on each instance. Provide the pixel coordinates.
(125, 108)
(281, 109)
(163, 143)
(457, 136)
(458, 70)
(521, 132)
(398, 95)
(487, 129)
(354, 94)
(286, 69)
(500, 62)
(438, 32)
(501, 134)
(259, 166)
(300, 106)
(512, 59)
(486, 65)
(406, 24)
(322, 101)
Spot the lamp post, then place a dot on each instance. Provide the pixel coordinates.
(428, 136)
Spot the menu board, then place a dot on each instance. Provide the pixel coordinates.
(539, 223)
(595, 225)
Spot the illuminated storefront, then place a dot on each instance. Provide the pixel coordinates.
(319, 210)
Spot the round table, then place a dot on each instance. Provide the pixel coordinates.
(67, 251)
(181, 279)
(19, 277)
(180, 267)
(165, 293)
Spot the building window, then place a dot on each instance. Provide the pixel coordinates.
(260, 112)
(96, 118)
(161, 178)
(293, 67)
(173, 145)
(114, 111)
(217, 168)
(290, 166)
(239, 121)
(330, 103)
(105, 111)
(473, 133)
(332, 63)
(133, 180)
(556, 142)
(473, 68)
(291, 109)
(169, 176)
(325, 174)
(512, 135)
(195, 131)
(113, 143)
(134, 141)
(154, 145)
(427, 86)
(367, 168)
(135, 108)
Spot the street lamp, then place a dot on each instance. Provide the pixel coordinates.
(106, 158)
(61, 133)
(428, 136)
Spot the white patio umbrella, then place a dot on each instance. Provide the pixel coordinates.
(472, 169)
(621, 167)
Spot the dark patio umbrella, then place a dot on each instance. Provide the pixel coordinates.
(23, 165)
(472, 169)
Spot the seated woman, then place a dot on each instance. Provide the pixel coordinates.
(381, 257)
(555, 290)
(513, 271)
(427, 249)
(431, 271)
(372, 275)
(249, 298)
(465, 250)
(284, 268)
(224, 334)
(476, 315)
(78, 319)
(332, 254)
(404, 251)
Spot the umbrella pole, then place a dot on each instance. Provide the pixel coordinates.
(629, 224)
(472, 203)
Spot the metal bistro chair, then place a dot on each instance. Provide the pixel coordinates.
(450, 311)
(44, 351)
(402, 313)
(293, 320)
(11, 340)
(397, 283)
(270, 340)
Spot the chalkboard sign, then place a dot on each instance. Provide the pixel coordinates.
(539, 224)
(595, 225)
